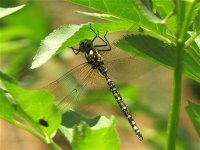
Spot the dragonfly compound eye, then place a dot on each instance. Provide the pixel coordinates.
(85, 45)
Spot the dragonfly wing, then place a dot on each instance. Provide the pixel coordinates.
(66, 88)
(126, 67)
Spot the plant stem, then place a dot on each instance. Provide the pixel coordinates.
(30, 131)
(176, 99)
(49, 142)
(184, 9)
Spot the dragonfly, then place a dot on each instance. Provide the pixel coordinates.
(96, 67)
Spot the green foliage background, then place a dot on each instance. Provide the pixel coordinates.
(164, 32)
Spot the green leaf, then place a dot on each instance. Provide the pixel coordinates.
(146, 12)
(23, 36)
(76, 119)
(53, 42)
(36, 105)
(5, 77)
(182, 143)
(126, 11)
(164, 8)
(100, 15)
(171, 24)
(6, 11)
(193, 111)
(97, 133)
(11, 46)
(7, 110)
(160, 52)
(69, 35)
(185, 15)
(20, 25)
(196, 23)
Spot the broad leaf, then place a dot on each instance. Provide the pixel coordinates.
(156, 50)
(147, 12)
(69, 35)
(37, 105)
(125, 10)
(5, 77)
(164, 8)
(97, 133)
(7, 110)
(72, 118)
(53, 42)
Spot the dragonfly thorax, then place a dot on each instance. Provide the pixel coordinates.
(85, 45)
(93, 57)
(96, 61)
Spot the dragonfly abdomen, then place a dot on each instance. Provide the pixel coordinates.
(123, 107)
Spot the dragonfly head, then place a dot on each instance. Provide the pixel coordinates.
(85, 45)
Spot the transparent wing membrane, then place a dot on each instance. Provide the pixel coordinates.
(69, 87)
(121, 67)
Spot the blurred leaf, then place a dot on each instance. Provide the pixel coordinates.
(8, 3)
(11, 46)
(164, 8)
(197, 40)
(130, 94)
(20, 37)
(185, 15)
(10, 32)
(101, 135)
(157, 139)
(76, 119)
(7, 110)
(35, 28)
(160, 52)
(5, 77)
(196, 24)
(6, 11)
(171, 23)
(37, 105)
(193, 111)
(20, 62)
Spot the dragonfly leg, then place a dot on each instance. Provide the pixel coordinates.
(93, 32)
(102, 45)
(75, 50)
(105, 41)
(109, 49)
